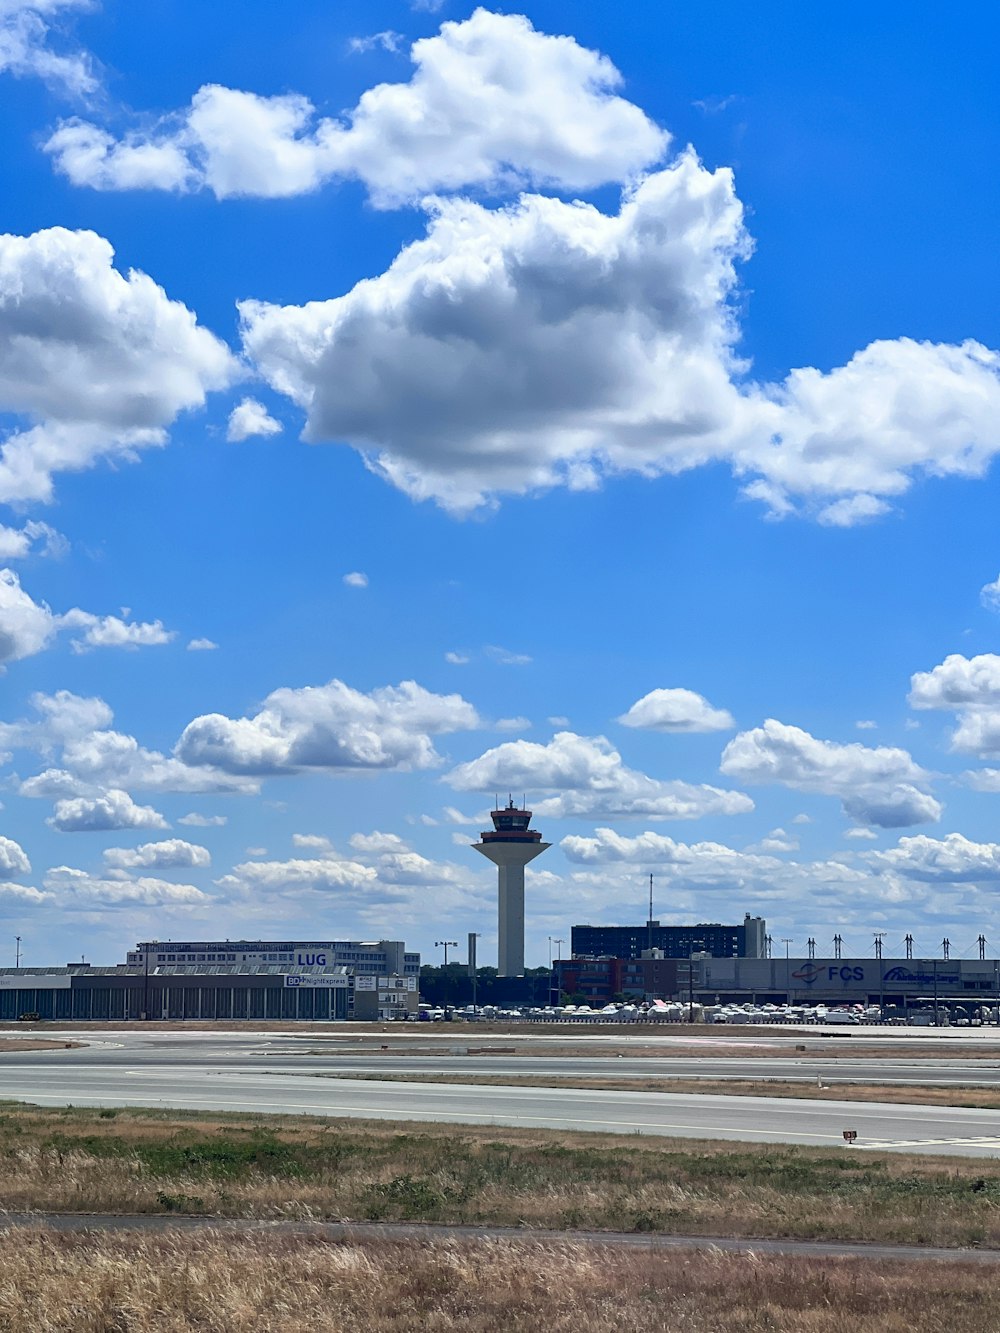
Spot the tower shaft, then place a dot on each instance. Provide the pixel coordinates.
(510, 847)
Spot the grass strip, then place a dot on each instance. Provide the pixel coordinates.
(134, 1283)
(982, 1098)
(76, 1160)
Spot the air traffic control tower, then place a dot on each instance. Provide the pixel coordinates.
(510, 846)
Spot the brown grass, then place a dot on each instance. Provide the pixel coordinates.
(292, 1167)
(8, 1044)
(220, 1283)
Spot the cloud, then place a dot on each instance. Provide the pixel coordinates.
(378, 842)
(492, 104)
(112, 632)
(512, 724)
(94, 364)
(876, 785)
(329, 727)
(74, 888)
(201, 646)
(456, 659)
(949, 860)
(194, 820)
(866, 725)
(114, 810)
(989, 595)
(23, 893)
(676, 710)
(387, 40)
(851, 511)
(591, 780)
(415, 367)
(13, 859)
(157, 855)
(26, 30)
(356, 580)
(75, 732)
(249, 417)
(312, 842)
(19, 543)
(864, 834)
(971, 687)
(959, 682)
(27, 627)
(320, 874)
(704, 858)
(504, 657)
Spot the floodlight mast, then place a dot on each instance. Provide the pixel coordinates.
(510, 845)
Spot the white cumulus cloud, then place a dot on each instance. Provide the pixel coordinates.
(329, 727)
(492, 103)
(13, 859)
(969, 686)
(93, 363)
(249, 418)
(157, 855)
(588, 778)
(99, 814)
(877, 785)
(73, 888)
(356, 579)
(676, 710)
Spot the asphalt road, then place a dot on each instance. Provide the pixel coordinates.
(270, 1073)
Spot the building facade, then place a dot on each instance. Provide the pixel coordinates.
(601, 979)
(376, 956)
(743, 941)
(839, 981)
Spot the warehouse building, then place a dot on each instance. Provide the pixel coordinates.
(211, 981)
(845, 981)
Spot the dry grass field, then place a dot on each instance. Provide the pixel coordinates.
(219, 1283)
(272, 1167)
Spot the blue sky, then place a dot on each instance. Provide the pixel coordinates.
(404, 404)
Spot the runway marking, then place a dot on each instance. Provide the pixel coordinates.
(932, 1143)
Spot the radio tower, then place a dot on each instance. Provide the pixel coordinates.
(510, 845)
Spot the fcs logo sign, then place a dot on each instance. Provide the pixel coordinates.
(845, 974)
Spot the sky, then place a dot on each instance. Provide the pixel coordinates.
(405, 404)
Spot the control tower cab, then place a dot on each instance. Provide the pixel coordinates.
(510, 845)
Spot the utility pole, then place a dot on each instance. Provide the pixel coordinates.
(474, 967)
(879, 934)
(811, 946)
(446, 945)
(649, 928)
(838, 944)
(981, 941)
(946, 948)
(556, 987)
(908, 941)
(768, 942)
(17, 951)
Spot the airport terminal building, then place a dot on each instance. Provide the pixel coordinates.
(211, 981)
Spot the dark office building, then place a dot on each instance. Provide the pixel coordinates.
(745, 941)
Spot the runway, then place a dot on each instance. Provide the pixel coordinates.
(272, 1073)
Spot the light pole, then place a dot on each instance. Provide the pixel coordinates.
(17, 951)
(446, 945)
(879, 936)
(695, 944)
(553, 984)
(473, 968)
